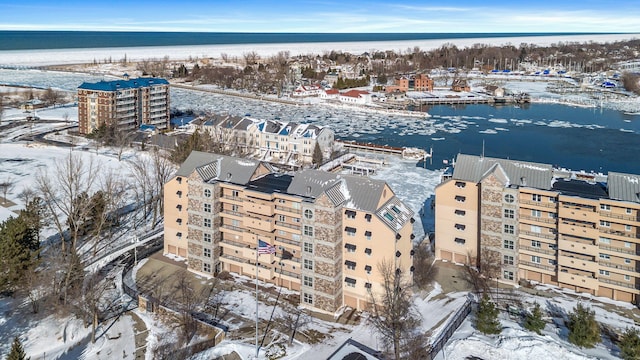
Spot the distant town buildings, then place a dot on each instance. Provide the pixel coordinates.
(420, 82)
(541, 224)
(269, 140)
(126, 104)
(330, 232)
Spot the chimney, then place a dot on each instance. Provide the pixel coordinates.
(523, 181)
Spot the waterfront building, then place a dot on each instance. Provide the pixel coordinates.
(270, 140)
(126, 104)
(330, 232)
(420, 82)
(538, 223)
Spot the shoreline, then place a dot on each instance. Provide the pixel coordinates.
(48, 57)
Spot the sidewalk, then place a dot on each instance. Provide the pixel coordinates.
(141, 332)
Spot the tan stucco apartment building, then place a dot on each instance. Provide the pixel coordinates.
(330, 231)
(554, 226)
(126, 104)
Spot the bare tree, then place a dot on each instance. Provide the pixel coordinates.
(6, 186)
(65, 191)
(392, 313)
(424, 262)
(141, 169)
(163, 170)
(106, 211)
(291, 320)
(98, 299)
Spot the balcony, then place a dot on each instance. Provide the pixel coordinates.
(549, 268)
(630, 251)
(576, 263)
(260, 209)
(287, 241)
(612, 215)
(233, 229)
(292, 276)
(234, 199)
(625, 234)
(288, 209)
(609, 264)
(237, 244)
(544, 204)
(258, 224)
(626, 285)
(544, 219)
(578, 280)
(233, 259)
(578, 247)
(538, 249)
(538, 235)
(288, 226)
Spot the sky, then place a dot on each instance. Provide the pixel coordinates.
(386, 16)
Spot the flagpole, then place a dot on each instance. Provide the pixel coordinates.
(257, 253)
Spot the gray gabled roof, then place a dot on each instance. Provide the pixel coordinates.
(625, 187)
(213, 167)
(521, 173)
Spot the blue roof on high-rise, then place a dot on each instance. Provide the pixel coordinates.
(115, 85)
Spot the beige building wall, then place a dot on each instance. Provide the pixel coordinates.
(175, 216)
(457, 204)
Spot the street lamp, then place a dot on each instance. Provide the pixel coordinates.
(135, 250)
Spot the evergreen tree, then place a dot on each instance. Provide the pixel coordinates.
(630, 344)
(316, 157)
(17, 351)
(533, 321)
(583, 328)
(19, 246)
(487, 317)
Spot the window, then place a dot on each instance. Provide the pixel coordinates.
(351, 265)
(536, 229)
(627, 244)
(551, 261)
(507, 275)
(307, 298)
(367, 285)
(604, 272)
(628, 211)
(207, 208)
(508, 229)
(605, 256)
(627, 261)
(460, 184)
(235, 208)
(179, 193)
(308, 214)
(367, 234)
(536, 213)
(207, 193)
(206, 267)
(350, 214)
(509, 198)
(350, 248)
(308, 264)
(605, 207)
(282, 218)
(308, 281)
(350, 282)
(388, 216)
(536, 197)
(459, 241)
(460, 198)
(605, 240)
(367, 268)
(460, 212)
(536, 244)
(509, 213)
(307, 247)
(235, 193)
(367, 217)
(179, 221)
(395, 209)
(460, 227)
(552, 215)
(207, 237)
(308, 230)
(207, 252)
(179, 235)
(367, 251)
(350, 231)
(627, 278)
(507, 259)
(627, 227)
(179, 180)
(207, 223)
(508, 244)
(604, 223)
(535, 259)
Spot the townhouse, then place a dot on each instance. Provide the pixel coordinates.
(542, 224)
(126, 104)
(331, 232)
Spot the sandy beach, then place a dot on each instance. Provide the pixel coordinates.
(75, 56)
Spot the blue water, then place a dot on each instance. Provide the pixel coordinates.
(29, 40)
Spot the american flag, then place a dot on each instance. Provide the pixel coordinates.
(265, 248)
